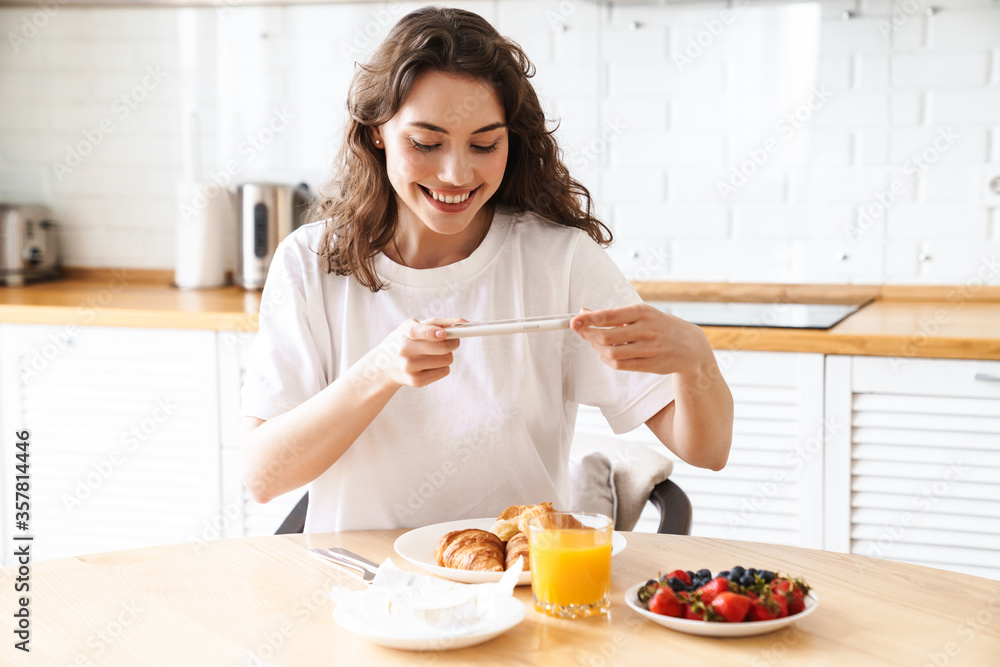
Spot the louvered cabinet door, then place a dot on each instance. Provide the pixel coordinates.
(771, 488)
(914, 474)
(124, 434)
(241, 515)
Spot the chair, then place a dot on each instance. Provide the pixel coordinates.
(667, 497)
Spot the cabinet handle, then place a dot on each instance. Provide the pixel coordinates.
(984, 377)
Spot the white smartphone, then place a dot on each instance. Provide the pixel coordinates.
(494, 327)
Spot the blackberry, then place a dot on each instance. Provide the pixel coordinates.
(704, 574)
(676, 584)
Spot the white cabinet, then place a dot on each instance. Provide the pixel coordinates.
(124, 434)
(772, 488)
(913, 461)
(240, 516)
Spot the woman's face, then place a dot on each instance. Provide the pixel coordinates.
(445, 150)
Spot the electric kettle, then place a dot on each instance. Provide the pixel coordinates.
(266, 213)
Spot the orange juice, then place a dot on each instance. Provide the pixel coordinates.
(571, 569)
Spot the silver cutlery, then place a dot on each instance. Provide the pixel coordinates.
(349, 559)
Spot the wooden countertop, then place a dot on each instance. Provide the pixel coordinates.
(957, 322)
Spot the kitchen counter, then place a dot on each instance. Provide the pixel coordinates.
(957, 322)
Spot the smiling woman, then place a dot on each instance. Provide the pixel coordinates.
(450, 202)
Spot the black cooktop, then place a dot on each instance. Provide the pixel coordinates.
(775, 315)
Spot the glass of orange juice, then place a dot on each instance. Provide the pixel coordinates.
(570, 556)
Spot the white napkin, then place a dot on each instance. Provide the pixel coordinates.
(406, 604)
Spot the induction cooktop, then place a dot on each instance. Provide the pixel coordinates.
(774, 315)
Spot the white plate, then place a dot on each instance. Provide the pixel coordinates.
(417, 546)
(510, 612)
(705, 629)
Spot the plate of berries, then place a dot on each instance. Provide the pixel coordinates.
(733, 603)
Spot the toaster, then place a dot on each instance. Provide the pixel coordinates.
(28, 244)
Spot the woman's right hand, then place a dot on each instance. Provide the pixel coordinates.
(417, 353)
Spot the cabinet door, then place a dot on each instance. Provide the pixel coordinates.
(241, 516)
(124, 433)
(771, 489)
(915, 473)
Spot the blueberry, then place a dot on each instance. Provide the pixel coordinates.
(690, 574)
(675, 583)
(704, 574)
(767, 576)
(738, 571)
(746, 580)
(724, 574)
(752, 570)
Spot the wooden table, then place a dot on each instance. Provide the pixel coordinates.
(262, 601)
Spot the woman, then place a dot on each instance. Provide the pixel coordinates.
(450, 202)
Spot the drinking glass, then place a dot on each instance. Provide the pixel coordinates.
(570, 556)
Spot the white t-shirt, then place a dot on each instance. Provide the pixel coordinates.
(496, 431)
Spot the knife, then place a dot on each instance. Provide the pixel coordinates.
(349, 559)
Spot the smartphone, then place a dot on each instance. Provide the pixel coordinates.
(494, 327)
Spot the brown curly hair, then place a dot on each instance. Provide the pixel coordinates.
(360, 205)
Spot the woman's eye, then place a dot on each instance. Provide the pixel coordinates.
(486, 149)
(423, 147)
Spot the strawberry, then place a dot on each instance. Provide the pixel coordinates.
(794, 591)
(713, 588)
(733, 607)
(768, 607)
(681, 575)
(665, 603)
(697, 610)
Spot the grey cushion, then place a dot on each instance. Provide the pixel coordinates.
(614, 477)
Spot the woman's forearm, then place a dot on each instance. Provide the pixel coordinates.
(698, 424)
(294, 448)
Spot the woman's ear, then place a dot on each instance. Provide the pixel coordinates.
(376, 136)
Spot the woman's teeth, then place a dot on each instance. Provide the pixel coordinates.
(449, 199)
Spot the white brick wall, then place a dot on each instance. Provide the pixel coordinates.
(697, 92)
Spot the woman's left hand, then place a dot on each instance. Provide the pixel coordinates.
(642, 338)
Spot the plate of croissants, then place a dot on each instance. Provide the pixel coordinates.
(477, 551)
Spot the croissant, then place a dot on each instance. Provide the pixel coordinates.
(470, 549)
(518, 546)
(514, 519)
